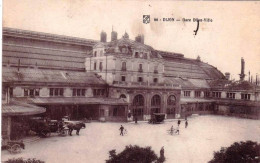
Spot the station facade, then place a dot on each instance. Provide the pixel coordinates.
(114, 80)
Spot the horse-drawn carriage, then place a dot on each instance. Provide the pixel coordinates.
(45, 128)
(157, 118)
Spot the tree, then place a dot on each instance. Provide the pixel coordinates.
(239, 152)
(21, 160)
(133, 154)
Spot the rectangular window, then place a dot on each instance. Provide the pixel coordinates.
(197, 93)
(140, 68)
(95, 66)
(26, 92)
(245, 96)
(100, 66)
(216, 94)
(122, 78)
(230, 95)
(99, 92)
(56, 91)
(78, 92)
(32, 92)
(156, 69)
(37, 92)
(186, 93)
(206, 93)
(155, 80)
(140, 79)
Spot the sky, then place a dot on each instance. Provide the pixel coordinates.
(233, 33)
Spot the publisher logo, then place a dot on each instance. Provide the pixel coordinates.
(146, 19)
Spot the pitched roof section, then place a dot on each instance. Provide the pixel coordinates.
(15, 108)
(188, 83)
(11, 74)
(233, 86)
(46, 50)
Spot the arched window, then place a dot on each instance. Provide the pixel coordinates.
(122, 96)
(138, 100)
(156, 100)
(123, 66)
(171, 100)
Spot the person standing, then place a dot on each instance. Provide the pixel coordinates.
(121, 130)
(186, 124)
(171, 130)
(179, 122)
(162, 157)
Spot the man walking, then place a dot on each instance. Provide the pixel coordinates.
(121, 130)
(186, 124)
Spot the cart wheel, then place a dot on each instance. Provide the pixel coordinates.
(16, 148)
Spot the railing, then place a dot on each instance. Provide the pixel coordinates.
(123, 69)
(119, 83)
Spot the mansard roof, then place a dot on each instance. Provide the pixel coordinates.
(114, 46)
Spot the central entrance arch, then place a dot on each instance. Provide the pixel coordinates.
(155, 104)
(138, 106)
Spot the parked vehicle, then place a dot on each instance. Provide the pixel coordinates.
(157, 118)
(14, 146)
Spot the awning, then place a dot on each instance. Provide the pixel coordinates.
(195, 100)
(15, 108)
(73, 100)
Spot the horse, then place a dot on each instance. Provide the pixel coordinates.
(75, 126)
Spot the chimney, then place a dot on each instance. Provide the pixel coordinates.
(103, 37)
(242, 74)
(113, 35)
(227, 75)
(140, 39)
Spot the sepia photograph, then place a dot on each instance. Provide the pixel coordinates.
(130, 81)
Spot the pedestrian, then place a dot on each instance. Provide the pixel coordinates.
(121, 130)
(171, 130)
(186, 124)
(135, 119)
(179, 122)
(161, 158)
(177, 130)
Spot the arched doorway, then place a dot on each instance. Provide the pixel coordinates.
(156, 104)
(138, 106)
(171, 106)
